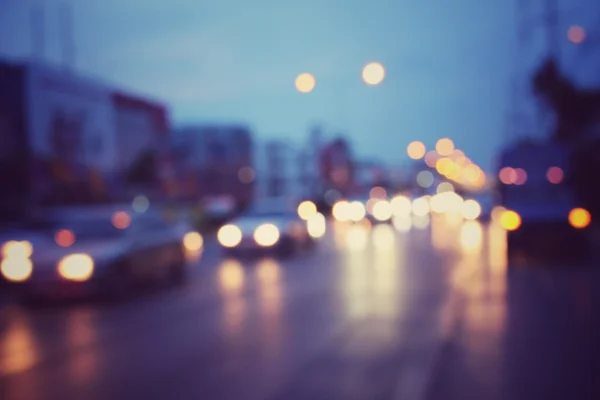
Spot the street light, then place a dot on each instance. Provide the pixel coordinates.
(305, 82)
(373, 73)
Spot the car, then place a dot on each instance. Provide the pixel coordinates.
(267, 226)
(80, 253)
(543, 216)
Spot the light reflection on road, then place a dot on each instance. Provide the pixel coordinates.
(374, 272)
(231, 279)
(271, 304)
(18, 348)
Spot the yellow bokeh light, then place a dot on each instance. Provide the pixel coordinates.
(193, 241)
(444, 147)
(416, 150)
(16, 269)
(444, 166)
(373, 73)
(306, 209)
(22, 249)
(510, 220)
(579, 218)
(305, 82)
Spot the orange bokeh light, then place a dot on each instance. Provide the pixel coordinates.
(121, 220)
(64, 238)
(580, 218)
(510, 220)
(576, 34)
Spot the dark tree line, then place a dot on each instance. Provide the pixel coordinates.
(577, 112)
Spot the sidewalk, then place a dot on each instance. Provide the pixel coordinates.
(530, 335)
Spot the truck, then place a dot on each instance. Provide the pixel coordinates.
(544, 215)
(71, 140)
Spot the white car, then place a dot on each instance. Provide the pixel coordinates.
(268, 227)
(98, 253)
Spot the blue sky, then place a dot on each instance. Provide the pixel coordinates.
(448, 64)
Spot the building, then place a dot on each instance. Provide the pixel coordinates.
(215, 161)
(282, 170)
(336, 167)
(68, 139)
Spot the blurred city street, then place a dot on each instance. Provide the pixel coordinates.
(383, 312)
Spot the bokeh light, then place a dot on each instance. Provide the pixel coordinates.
(121, 220)
(521, 176)
(140, 204)
(445, 187)
(431, 158)
(305, 82)
(306, 209)
(420, 206)
(373, 73)
(555, 175)
(378, 192)
(425, 179)
(64, 238)
(470, 209)
(401, 206)
(444, 147)
(579, 218)
(382, 211)
(416, 150)
(576, 34)
(507, 175)
(510, 220)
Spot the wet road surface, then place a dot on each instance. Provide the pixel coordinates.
(372, 314)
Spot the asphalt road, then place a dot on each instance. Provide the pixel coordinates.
(381, 313)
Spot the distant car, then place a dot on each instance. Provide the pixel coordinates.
(268, 226)
(75, 254)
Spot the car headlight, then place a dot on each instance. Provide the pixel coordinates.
(16, 269)
(266, 235)
(193, 241)
(229, 236)
(76, 267)
(22, 249)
